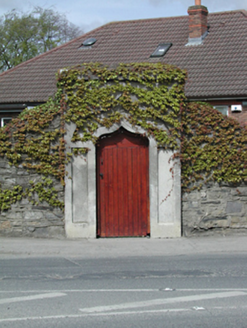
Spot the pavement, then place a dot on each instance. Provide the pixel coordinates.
(120, 247)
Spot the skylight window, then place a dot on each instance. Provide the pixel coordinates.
(88, 43)
(161, 49)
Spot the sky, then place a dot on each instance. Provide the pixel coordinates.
(89, 14)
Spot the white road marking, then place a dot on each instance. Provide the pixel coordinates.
(92, 290)
(30, 298)
(72, 316)
(198, 308)
(101, 314)
(190, 298)
(209, 289)
(123, 290)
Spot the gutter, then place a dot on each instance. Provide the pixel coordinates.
(214, 99)
(17, 107)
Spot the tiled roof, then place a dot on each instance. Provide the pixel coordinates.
(217, 68)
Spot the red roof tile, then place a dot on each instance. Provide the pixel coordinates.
(217, 68)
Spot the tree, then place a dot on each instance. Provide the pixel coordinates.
(26, 35)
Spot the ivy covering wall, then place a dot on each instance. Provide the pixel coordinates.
(147, 92)
(213, 147)
(83, 93)
(31, 143)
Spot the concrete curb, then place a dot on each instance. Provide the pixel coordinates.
(124, 247)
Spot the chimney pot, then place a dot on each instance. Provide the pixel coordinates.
(198, 2)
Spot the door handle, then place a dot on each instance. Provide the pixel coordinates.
(101, 175)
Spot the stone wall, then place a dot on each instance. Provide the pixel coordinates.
(214, 209)
(24, 218)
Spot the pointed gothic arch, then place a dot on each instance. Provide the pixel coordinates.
(81, 189)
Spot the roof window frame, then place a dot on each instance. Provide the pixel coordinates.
(88, 43)
(161, 49)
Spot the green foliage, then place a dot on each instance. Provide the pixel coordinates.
(8, 197)
(213, 147)
(150, 94)
(28, 140)
(45, 191)
(26, 35)
(94, 97)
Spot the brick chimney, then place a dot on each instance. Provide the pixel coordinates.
(198, 23)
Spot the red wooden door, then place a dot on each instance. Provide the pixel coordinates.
(122, 185)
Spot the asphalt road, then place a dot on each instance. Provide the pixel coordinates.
(182, 291)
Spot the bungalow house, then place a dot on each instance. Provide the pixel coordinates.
(211, 47)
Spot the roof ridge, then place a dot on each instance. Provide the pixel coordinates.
(173, 17)
(146, 19)
(243, 11)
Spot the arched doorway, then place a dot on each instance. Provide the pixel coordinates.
(122, 177)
